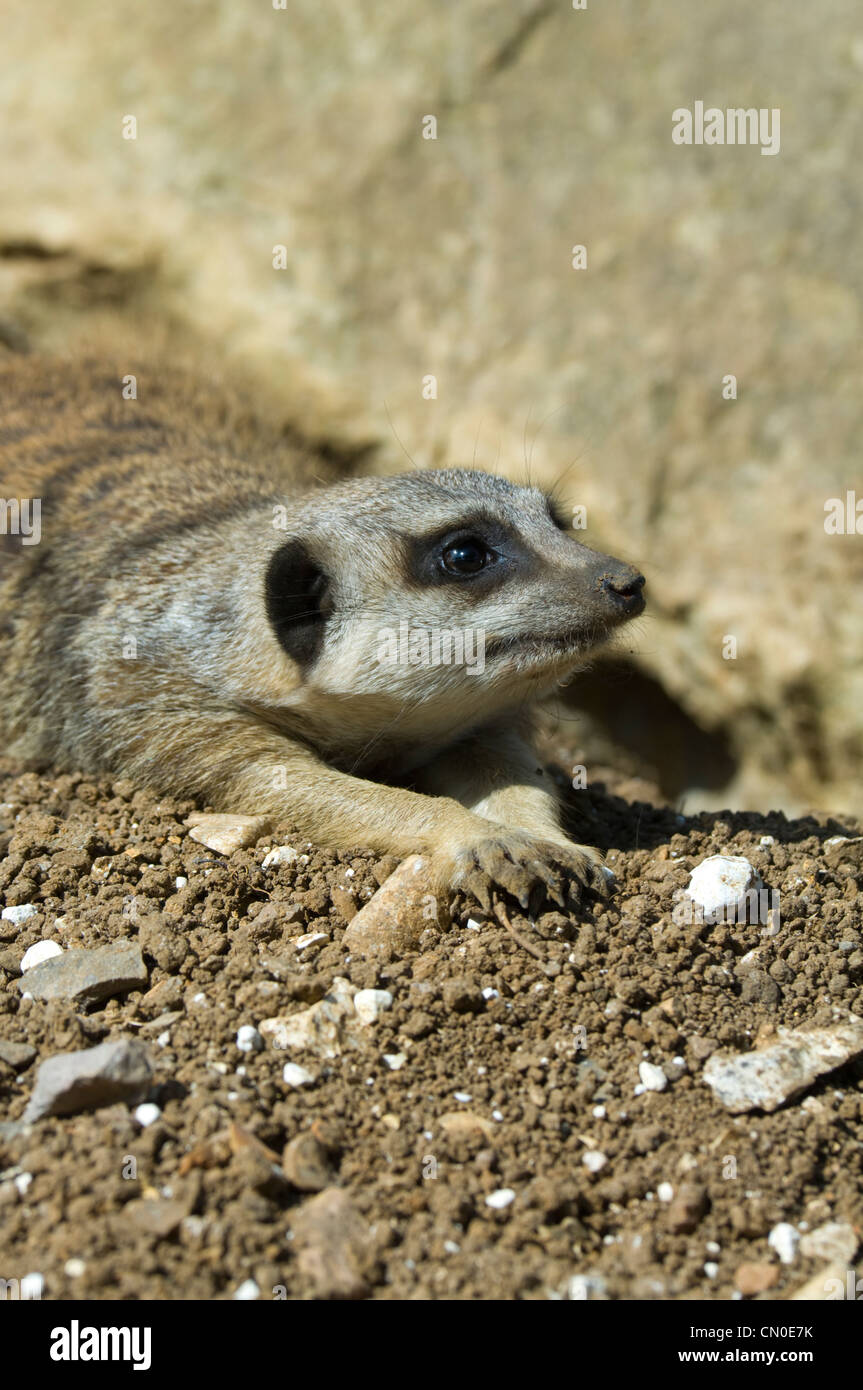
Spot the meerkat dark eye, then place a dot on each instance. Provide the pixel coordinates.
(466, 557)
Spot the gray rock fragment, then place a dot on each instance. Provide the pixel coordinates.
(103, 1075)
(86, 976)
(16, 1055)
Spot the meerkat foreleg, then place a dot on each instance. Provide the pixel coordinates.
(497, 775)
(248, 765)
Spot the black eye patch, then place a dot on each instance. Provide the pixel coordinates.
(476, 557)
(298, 600)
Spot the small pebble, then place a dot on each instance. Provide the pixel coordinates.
(720, 882)
(753, 1278)
(247, 1292)
(295, 1075)
(784, 1239)
(653, 1078)
(147, 1114)
(310, 938)
(249, 1039)
(593, 1160)
(499, 1199)
(371, 1003)
(282, 854)
(20, 914)
(43, 950)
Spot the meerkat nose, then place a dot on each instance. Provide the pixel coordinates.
(626, 586)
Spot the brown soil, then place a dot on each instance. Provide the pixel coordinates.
(101, 861)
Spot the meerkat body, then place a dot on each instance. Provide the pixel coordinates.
(204, 619)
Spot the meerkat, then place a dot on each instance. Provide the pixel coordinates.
(219, 626)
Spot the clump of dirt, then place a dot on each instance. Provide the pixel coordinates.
(487, 1135)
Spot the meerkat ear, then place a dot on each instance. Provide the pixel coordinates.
(297, 598)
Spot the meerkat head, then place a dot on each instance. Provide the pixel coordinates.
(427, 601)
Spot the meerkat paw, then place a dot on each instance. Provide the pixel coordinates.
(518, 864)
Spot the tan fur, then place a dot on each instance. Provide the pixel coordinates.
(156, 630)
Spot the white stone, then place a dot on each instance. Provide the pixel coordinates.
(247, 1292)
(711, 1269)
(718, 884)
(472, 925)
(22, 1182)
(295, 1075)
(489, 993)
(766, 1078)
(181, 882)
(371, 1003)
(43, 950)
(653, 1078)
(665, 1192)
(593, 1160)
(226, 833)
(784, 1239)
(311, 938)
(599, 1112)
(146, 1114)
(394, 1060)
(766, 841)
(499, 1199)
(74, 1268)
(20, 914)
(249, 1039)
(326, 1028)
(282, 854)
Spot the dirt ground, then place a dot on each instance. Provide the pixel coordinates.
(442, 1152)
